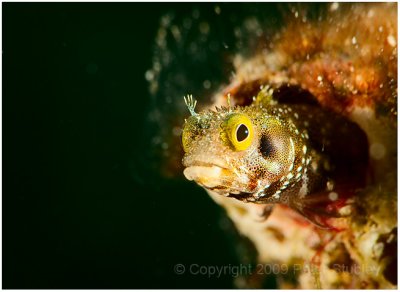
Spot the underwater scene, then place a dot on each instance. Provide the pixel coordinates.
(200, 145)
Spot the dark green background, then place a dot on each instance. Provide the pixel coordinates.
(80, 209)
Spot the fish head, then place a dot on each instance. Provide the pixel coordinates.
(240, 150)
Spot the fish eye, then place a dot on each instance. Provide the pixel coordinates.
(242, 132)
(239, 130)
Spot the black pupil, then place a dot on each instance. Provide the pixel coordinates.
(242, 133)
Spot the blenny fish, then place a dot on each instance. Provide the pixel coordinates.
(296, 135)
(305, 157)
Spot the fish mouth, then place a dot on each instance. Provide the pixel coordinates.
(213, 174)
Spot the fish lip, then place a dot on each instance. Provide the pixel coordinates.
(203, 161)
(209, 164)
(223, 188)
(210, 174)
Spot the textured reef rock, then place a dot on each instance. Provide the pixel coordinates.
(346, 60)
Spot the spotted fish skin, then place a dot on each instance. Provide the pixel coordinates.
(300, 155)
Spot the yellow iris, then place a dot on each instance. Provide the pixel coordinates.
(240, 132)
